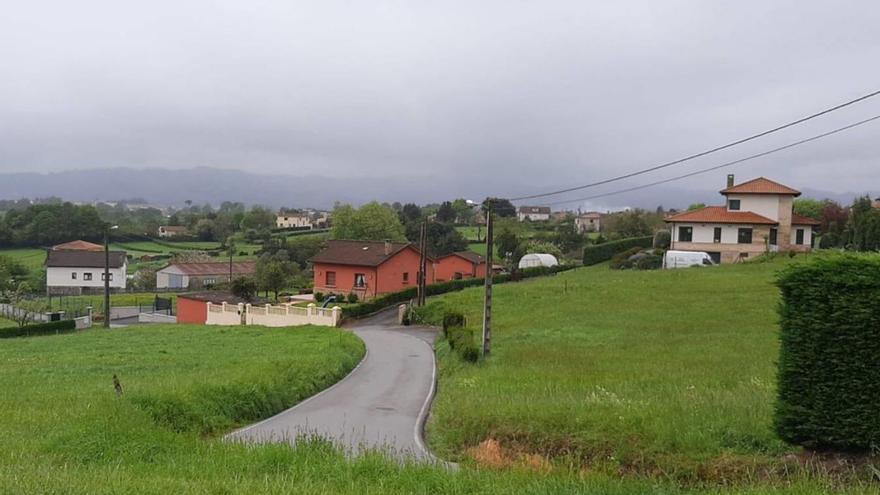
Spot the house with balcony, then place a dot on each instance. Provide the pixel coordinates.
(757, 217)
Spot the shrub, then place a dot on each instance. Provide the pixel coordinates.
(829, 380)
(50, 328)
(650, 262)
(463, 342)
(662, 239)
(621, 260)
(352, 298)
(604, 252)
(319, 296)
(452, 319)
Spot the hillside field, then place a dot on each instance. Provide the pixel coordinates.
(666, 375)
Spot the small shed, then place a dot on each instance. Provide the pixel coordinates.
(538, 259)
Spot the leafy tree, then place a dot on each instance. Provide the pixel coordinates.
(275, 272)
(695, 206)
(204, 229)
(833, 224)
(864, 225)
(145, 279)
(809, 207)
(507, 242)
(630, 223)
(567, 237)
(464, 211)
(410, 213)
(500, 207)
(371, 221)
(244, 288)
(11, 273)
(443, 239)
(446, 213)
(259, 219)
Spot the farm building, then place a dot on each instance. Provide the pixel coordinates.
(293, 220)
(588, 222)
(166, 231)
(538, 259)
(533, 213)
(201, 275)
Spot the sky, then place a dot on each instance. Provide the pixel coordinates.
(523, 97)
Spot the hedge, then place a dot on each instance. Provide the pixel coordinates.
(829, 374)
(50, 328)
(405, 295)
(603, 252)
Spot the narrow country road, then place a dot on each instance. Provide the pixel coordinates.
(382, 404)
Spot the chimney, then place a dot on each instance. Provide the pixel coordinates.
(729, 180)
(387, 247)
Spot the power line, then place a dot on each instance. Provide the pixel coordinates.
(716, 167)
(703, 153)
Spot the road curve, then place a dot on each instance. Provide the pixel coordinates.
(381, 404)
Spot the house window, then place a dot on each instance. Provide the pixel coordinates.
(87, 276)
(773, 234)
(405, 278)
(360, 280)
(733, 204)
(744, 236)
(73, 276)
(330, 279)
(209, 281)
(685, 234)
(799, 237)
(457, 276)
(103, 274)
(717, 234)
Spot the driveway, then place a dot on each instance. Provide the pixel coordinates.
(382, 404)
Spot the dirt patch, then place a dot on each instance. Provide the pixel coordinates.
(490, 453)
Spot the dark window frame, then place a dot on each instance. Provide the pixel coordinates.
(799, 236)
(773, 238)
(362, 278)
(741, 235)
(72, 275)
(732, 202)
(330, 279)
(87, 276)
(685, 234)
(716, 235)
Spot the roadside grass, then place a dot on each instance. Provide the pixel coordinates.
(4, 322)
(665, 375)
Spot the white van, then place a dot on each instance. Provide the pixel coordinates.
(684, 259)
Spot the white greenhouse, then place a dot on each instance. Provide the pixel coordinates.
(537, 259)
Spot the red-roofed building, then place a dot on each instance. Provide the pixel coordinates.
(459, 265)
(202, 275)
(758, 217)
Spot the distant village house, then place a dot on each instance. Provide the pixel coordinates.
(588, 222)
(533, 213)
(166, 231)
(77, 267)
(196, 276)
(293, 220)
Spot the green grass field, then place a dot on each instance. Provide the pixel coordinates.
(7, 323)
(665, 375)
(30, 258)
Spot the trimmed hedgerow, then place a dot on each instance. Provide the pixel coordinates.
(463, 341)
(603, 252)
(50, 328)
(829, 376)
(405, 295)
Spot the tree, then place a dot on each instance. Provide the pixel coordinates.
(371, 221)
(864, 225)
(464, 211)
(204, 229)
(833, 224)
(145, 279)
(410, 213)
(500, 207)
(507, 243)
(629, 223)
(258, 219)
(244, 288)
(446, 213)
(808, 207)
(274, 272)
(695, 206)
(567, 237)
(444, 239)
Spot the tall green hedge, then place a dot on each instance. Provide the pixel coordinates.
(603, 252)
(829, 364)
(405, 295)
(50, 328)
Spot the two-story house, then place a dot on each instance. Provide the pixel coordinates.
(533, 213)
(756, 218)
(78, 268)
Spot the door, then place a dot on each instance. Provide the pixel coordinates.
(716, 257)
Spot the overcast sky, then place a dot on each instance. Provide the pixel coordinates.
(521, 95)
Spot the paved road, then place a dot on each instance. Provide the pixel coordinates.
(380, 405)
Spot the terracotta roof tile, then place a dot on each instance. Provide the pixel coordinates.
(802, 220)
(720, 214)
(78, 246)
(761, 185)
(358, 253)
(468, 255)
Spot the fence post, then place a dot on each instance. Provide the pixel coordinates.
(310, 310)
(244, 309)
(336, 313)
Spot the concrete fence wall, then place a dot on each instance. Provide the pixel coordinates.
(284, 315)
(156, 318)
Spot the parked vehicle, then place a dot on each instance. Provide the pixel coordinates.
(685, 259)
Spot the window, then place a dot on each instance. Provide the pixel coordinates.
(73, 276)
(111, 277)
(208, 282)
(799, 236)
(87, 276)
(457, 276)
(773, 234)
(744, 236)
(685, 234)
(360, 280)
(733, 204)
(405, 278)
(717, 235)
(330, 279)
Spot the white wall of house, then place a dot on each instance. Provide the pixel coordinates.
(706, 232)
(808, 235)
(535, 217)
(64, 277)
(766, 205)
(292, 221)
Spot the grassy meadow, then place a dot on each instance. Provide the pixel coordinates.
(663, 375)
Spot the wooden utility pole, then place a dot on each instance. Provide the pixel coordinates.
(421, 278)
(487, 302)
(107, 276)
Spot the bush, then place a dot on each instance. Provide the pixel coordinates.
(650, 262)
(319, 296)
(352, 298)
(829, 380)
(452, 319)
(50, 328)
(621, 260)
(662, 239)
(604, 252)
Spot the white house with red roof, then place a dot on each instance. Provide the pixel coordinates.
(757, 217)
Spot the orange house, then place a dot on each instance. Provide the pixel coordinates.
(456, 266)
(367, 268)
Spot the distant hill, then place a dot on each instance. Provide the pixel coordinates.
(209, 185)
